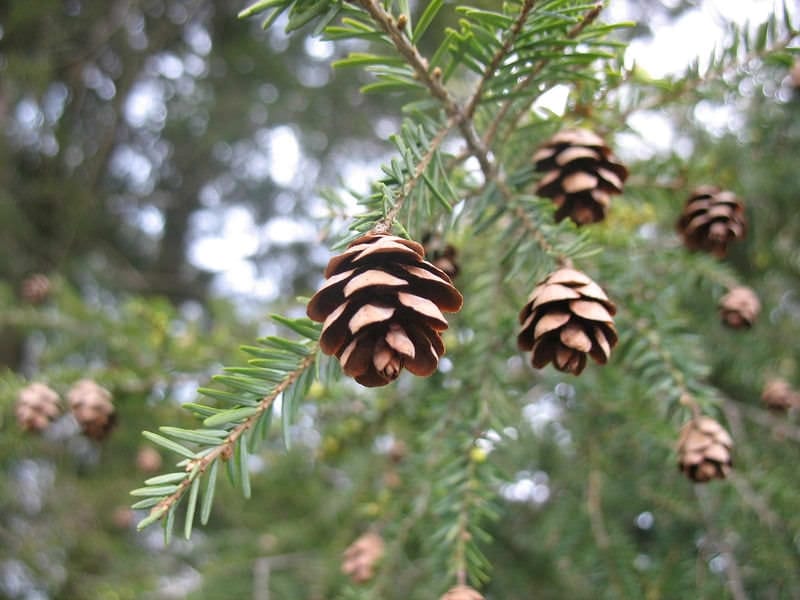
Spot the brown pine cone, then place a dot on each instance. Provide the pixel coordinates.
(381, 309)
(739, 307)
(37, 407)
(779, 396)
(711, 219)
(462, 592)
(92, 408)
(442, 255)
(148, 459)
(567, 317)
(361, 557)
(581, 174)
(35, 288)
(704, 450)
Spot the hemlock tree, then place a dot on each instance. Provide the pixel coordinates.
(522, 332)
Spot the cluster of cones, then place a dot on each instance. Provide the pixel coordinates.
(38, 406)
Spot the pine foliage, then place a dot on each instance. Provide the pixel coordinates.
(466, 80)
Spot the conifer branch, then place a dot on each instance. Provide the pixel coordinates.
(385, 224)
(197, 466)
(499, 56)
(488, 138)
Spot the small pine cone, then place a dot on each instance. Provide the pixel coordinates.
(92, 408)
(711, 219)
(581, 174)
(462, 592)
(37, 407)
(35, 288)
(361, 557)
(381, 309)
(567, 317)
(442, 255)
(704, 450)
(779, 396)
(739, 307)
(148, 459)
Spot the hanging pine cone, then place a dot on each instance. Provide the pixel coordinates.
(92, 408)
(361, 557)
(711, 219)
(35, 288)
(148, 459)
(37, 407)
(442, 255)
(704, 450)
(739, 307)
(567, 317)
(462, 592)
(581, 174)
(779, 396)
(381, 309)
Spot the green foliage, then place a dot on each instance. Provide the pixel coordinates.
(518, 482)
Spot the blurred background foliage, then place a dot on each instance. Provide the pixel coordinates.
(141, 136)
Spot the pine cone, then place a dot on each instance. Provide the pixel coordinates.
(739, 307)
(382, 309)
(711, 219)
(35, 288)
(92, 408)
(37, 407)
(462, 592)
(442, 255)
(361, 557)
(704, 450)
(779, 396)
(567, 317)
(148, 459)
(581, 175)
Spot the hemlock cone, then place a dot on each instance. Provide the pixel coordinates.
(779, 396)
(381, 309)
(581, 174)
(739, 307)
(704, 450)
(92, 408)
(462, 592)
(362, 556)
(567, 317)
(712, 219)
(37, 406)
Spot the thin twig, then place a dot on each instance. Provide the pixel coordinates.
(594, 506)
(198, 466)
(491, 132)
(385, 224)
(732, 570)
(501, 53)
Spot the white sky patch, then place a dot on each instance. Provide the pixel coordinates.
(553, 100)
(694, 35)
(318, 49)
(284, 155)
(144, 104)
(237, 240)
(283, 230)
